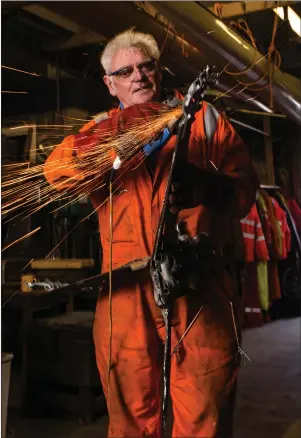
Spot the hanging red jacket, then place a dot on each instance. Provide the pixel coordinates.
(255, 244)
(295, 211)
(255, 250)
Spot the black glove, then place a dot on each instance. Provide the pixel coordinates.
(193, 186)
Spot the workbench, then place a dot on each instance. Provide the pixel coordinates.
(30, 304)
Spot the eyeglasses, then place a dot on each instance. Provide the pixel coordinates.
(146, 68)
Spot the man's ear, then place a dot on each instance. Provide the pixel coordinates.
(110, 84)
(160, 70)
(159, 75)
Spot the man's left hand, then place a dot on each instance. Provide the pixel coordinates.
(193, 186)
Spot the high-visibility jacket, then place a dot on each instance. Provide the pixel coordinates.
(262, 266)
(284, 233)
(278, 238)
(255, 245)
(137, 204)
(275, 242)
(256, 256)
(266, 226)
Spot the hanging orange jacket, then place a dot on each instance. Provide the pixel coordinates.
(204, 365)
(266, 226)
(255, 245)
(255, 251)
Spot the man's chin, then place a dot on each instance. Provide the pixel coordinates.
(143, 96)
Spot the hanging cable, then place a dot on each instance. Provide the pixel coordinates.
(272, 50)
(218, 8)
(58, 78)
(273, 57)
(165, 39)
(243, 26)
(110, 286)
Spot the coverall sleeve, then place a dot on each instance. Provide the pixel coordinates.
(61, 169)
(235, 163)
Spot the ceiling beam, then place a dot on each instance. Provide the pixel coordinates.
(81, 36)
(235, 9)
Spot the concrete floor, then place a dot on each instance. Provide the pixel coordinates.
(269, 397)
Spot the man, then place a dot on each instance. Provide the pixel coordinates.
(223, 186)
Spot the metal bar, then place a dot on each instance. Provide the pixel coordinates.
(268, 145)
(249, 127)
(167, 315)
(261, 113)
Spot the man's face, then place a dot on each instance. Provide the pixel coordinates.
(135, 79)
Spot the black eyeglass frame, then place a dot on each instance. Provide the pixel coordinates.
(151, 62)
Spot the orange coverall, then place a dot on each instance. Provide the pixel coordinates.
(204, 369)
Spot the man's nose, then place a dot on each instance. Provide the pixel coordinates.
(137, 74)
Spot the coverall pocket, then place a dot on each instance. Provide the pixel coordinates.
(124, 217)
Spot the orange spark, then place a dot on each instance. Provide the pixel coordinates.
(14, 92)
(20, 71)
(22, 238)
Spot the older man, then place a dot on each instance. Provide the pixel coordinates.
(205, 365)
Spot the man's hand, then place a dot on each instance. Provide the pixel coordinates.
(135, 114)
(185, 187)
(116, 124)
(193, 186)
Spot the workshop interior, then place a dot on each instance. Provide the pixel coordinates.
(52, 85)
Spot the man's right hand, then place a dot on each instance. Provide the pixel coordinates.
(117, 124)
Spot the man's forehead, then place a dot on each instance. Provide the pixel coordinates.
(128, 56)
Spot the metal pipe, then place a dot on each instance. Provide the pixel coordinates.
(220, 43)
(259, 113)
(248, 127)
(196, 58)
(242, 95)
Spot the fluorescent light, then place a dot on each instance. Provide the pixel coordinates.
(231, 34)
(279, 12)
(294, 20)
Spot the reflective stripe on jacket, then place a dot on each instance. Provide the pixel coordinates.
(255, 245)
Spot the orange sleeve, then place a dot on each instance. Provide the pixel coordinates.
(236, 163)
(61, 169)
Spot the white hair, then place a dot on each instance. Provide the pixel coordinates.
(126, 40)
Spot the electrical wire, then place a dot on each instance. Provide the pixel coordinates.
(165, 39)
(110, 294)
(273, 55)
